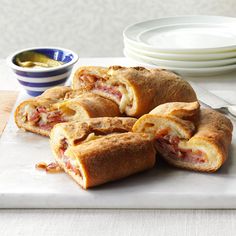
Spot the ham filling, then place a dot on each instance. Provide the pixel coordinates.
(69, 164)
(112, 90)
(43, 118)
(118, 91)
(97, 84)
(169, 146)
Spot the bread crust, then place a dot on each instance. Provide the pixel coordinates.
(182, 128)
(96, 106)
(84, 105)
(110, 158)
(185, 111)
(77, 132)
(150, 87)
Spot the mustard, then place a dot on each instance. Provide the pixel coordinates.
(33, 59)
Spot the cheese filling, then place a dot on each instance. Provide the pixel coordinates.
(69, 163)
(119, 92)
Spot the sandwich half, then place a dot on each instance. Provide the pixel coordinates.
(187, 136)
(101, 150)
(61, 104)
(136, 90)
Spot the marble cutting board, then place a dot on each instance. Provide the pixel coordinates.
(22, 186)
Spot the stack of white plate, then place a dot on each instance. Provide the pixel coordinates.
(189, 45)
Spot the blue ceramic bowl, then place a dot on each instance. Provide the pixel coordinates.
(37, 80)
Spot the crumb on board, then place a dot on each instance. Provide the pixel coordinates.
(52, 167)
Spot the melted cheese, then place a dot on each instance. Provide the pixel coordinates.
(91, 137)
(28, 110)
(43, 117)
(126, 98)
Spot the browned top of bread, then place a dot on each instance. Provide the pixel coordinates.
(115, 143)
(50, 96)
(78, 131)
(215, 128)
(183, 110)
(54, 93)
(90, 105)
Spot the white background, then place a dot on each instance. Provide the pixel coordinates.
(93, 28)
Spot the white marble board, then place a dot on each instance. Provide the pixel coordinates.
(22, 186)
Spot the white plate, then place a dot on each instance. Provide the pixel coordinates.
(182, 56)
(182, 63)
(196, 34)
(162, 187)
(189, 36)
(146, 61)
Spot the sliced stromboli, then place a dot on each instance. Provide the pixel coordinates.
(56, 105)
(108, 158)
(200, 145)
(136, 90)
(104, 156)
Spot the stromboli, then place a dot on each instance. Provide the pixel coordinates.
(136, 90)
(110, 153)
(61, 104)
(200, 144)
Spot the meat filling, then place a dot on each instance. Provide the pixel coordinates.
(169, 146)
(112, 90)
(63, 146)
(118, 91)
(42, 117)
(69, 164)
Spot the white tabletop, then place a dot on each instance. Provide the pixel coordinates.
(115, 221)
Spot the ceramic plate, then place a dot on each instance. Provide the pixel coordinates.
(182, 56)
(209, 71)
(184, 34)
(182, 63)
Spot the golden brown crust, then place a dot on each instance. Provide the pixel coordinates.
(77, 132)
(151, 123)
(150, 87)
(94, 70)
(111, 158)
(183, 110)
(97, 106)
(55, 93)
(78, 108)
(215, 129)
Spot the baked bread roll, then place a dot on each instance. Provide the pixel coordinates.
(61, 104)
(188, 137)
(136, 90)
(101, 150)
